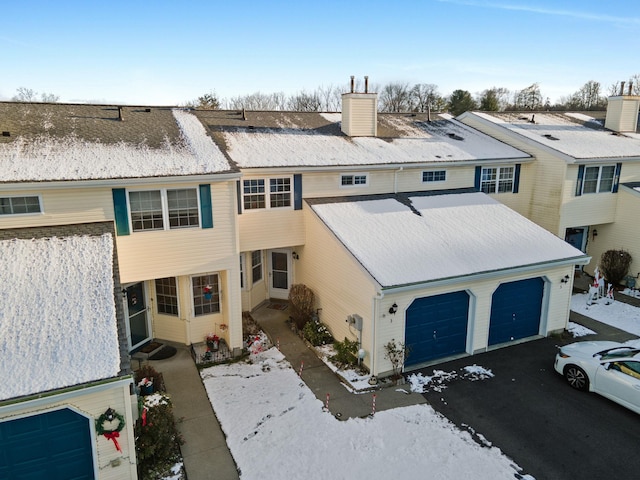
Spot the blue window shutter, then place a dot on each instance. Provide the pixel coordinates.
(478, 176)
(297, 191)
(616, 178)
(120, 211)
(516, 178)
(206, 210)
(580, 179)
(239, 195)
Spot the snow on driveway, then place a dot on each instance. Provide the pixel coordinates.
(276, 428)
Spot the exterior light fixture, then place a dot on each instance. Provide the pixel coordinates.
(393, 308)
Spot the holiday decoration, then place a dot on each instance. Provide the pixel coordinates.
(109, 416)
(207, 290)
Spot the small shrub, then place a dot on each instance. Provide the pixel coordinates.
(157, 439)
(301, 300)
(317, 334)
(346, 352)
(397, 354)
(614, 265)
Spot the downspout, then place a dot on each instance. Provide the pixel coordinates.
(374, 358)
(395, 182)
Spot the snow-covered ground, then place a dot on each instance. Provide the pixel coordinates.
(276, 427)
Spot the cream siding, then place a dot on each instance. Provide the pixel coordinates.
(270, 228)
(93, 402)
(359, 114)
(166, 253)
(622, 234)
(340, 284)
(546, 178)
(622, 113)
(62, 207)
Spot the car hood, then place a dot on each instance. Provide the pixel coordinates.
(587, 349)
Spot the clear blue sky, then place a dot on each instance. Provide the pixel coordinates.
(160, 52)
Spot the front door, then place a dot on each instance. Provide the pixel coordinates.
(576, 237)
(138, 324)
(279, 273)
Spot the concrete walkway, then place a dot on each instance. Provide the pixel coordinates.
(205, 452)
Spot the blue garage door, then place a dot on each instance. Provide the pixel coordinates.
(54, 445)
(515, 310)
(437, 327)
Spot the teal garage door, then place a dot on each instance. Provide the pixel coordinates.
(436, 327)
(515, 310)
(54, 445)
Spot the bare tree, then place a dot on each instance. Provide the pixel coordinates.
(304, 102)
(587, 98)
(24, 94)
(259, 101)
(395, 97)
(330, 98)
(424, 96)
(528, 98)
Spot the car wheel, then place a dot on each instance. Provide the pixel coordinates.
(576, 377)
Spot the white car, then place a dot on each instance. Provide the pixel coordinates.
(610, 369)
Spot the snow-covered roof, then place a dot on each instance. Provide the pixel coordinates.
(58, 324)
(51, 142)
(576, 135)
(294, 139)
(454, 235)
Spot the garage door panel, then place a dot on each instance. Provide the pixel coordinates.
(53, 445)
(436, 326)
(516, 309)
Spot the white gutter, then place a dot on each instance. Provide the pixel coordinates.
(119, 182)
(386, 166)
(584, 260)
(376, 306)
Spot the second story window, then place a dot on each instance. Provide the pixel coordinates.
(497, 179)
(20, 205)
(256, 195)
(598, 179)
(162, 209)
(434, 176)
(354, 180)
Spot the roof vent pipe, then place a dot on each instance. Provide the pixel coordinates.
(622, 88)
(353, 83)
(120, 117)
(630, 88)
(366, 84)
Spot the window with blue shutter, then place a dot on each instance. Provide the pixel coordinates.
(616, 178)
(121, 213)
(516, 179)
(476, 183)
(297, 191)
(580, 180)
(206, 208)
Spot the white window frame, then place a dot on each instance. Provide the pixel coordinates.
(353, 177)
(218, 294)
(599, 179)
(267, 193)
(498, 179)
(155, 288)
(434, 172)
(165, 209)
(254, 265)
(12, 214)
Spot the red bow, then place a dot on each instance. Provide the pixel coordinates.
(144, 417)
(113, 436)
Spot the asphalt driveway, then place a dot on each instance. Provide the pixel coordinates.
(527, 410)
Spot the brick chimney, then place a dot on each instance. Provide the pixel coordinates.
(360, 112)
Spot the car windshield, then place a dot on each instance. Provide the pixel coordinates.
(618, 352)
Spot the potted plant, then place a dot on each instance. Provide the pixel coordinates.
(213, 342)
(146, 386)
